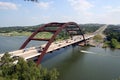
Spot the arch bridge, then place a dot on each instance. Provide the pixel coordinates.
(71, 28)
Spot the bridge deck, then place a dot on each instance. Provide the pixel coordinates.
(35, 51)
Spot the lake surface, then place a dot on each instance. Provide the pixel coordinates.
(14, 43)
(75, 62)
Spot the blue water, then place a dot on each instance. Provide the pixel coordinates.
(14, 43)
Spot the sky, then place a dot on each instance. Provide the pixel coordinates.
(26, 13)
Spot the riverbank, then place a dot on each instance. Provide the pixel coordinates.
(25, 33)
(109, 44)
(14, 33)
(96, 41)
(104, 44)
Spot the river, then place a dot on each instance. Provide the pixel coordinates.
(75, 62)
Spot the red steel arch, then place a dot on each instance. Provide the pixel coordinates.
(60, 26)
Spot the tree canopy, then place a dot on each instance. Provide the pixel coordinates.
(25, 70)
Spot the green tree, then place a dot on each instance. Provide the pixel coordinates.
(114, 43)
(22, 70)
(6, 59)
(25, 70)
(7, 66)
(53, 74)
(34, 72)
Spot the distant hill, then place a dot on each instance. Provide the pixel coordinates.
(19, 28)
(85, 28)
(89, 28)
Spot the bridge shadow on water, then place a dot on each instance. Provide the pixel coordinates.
(64, 59)
(55, 53)
(68, 54)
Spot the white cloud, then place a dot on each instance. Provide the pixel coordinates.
(8, 5)
(83, 9)
(44, 5)
(80, 5)
(111, 16)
